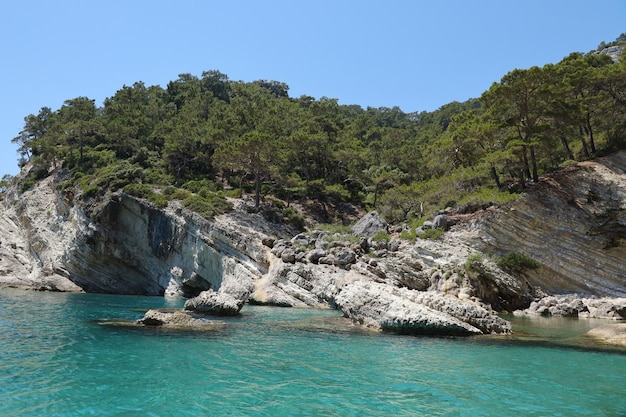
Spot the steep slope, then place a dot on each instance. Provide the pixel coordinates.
(125, 245)
(573, 222)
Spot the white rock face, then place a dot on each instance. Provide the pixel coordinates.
(126, 246)
(383, 307)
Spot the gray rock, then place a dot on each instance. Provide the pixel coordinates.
(440, 221)
(345, 257)
(314, 255)
(390, 309)
(288, 255)
(211, 302)
(369, 225)
(576, 306)
(176, 319)
(302, 240)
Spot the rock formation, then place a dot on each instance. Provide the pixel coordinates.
(572, 222)
(126, 246)
(176, 320)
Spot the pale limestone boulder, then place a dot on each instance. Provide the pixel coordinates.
(215, 303)
(177, 319)
(394, 310)
(369, 225)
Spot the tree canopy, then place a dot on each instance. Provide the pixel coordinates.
(252, 137)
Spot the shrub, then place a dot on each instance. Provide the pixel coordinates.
(207, 207)
(516, 262)
(146, 192)
(381, 236)
(432, 234)
(474, 262)
(409, 235)
(294, 218)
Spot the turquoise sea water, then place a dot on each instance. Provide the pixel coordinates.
(58, 359)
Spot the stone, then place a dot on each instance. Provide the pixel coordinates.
(174, 320)
(440, 221)
(570, 305)
(215, 303)
(288, 255)
(302, 240)
(386, 308)
(314, 255)
(345, 257)
(369, 225)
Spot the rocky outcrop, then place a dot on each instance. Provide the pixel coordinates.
(573, 222)
(216, 303)
(428, 281)
(177, 319)
(126, 246)
(575, 306)
(404, 311)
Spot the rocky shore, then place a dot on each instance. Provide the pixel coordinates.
(378, 279)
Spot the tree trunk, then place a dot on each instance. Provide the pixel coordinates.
(590, 131)
(570, 155)
(525, 160)
(494, 175)
(257, 190)
(533, 162)
(584, 142)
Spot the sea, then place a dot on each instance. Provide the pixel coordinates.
(75, 355)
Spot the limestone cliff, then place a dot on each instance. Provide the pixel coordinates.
(125, 246)
(573, 222)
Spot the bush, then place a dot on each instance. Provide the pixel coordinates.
(381, 236)
(516, 262)
(146, 192)
(294, 218)
(432, 234)
(408, 235)
(474, 262)
(207, 207)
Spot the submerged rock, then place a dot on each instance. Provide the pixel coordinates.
(612, 334)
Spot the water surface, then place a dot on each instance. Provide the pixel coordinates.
(57, 359)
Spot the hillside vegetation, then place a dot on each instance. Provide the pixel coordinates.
(201, 139)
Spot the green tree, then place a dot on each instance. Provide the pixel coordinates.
(519, 102)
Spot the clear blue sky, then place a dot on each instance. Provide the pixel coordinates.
(415, 54)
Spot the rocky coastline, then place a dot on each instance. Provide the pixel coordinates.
(449, 286)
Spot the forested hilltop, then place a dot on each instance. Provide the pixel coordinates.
(202, 139)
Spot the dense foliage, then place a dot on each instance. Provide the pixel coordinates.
(201, 138)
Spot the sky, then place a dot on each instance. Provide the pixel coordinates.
(415, 54)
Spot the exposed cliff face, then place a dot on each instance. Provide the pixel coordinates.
(125, 246)
(573, 222)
